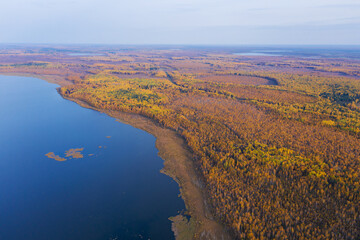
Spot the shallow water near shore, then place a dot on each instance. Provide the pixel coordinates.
(109, 187)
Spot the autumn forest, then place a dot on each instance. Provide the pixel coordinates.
(274, 139)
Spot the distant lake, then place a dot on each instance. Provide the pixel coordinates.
(316, 52)
(85, 54)
(108, 187)
(257, 54)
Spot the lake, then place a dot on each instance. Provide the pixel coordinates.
(85, 54)
(316, 51)
(111, 188)
(257, 54)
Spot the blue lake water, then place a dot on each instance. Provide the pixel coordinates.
(85, 54)
(342, 52)
(117, 193)
(257, 54)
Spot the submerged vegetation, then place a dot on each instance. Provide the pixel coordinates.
(276, 140)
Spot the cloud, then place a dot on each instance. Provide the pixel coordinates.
(175, 21)
(337, 6)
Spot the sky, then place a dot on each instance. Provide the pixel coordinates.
(210, 22)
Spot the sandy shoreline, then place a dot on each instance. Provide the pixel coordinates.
(178, 164)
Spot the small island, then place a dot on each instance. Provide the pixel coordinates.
(56, 157)
(71, 153)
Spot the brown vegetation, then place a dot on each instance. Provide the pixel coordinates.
(278, 161)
